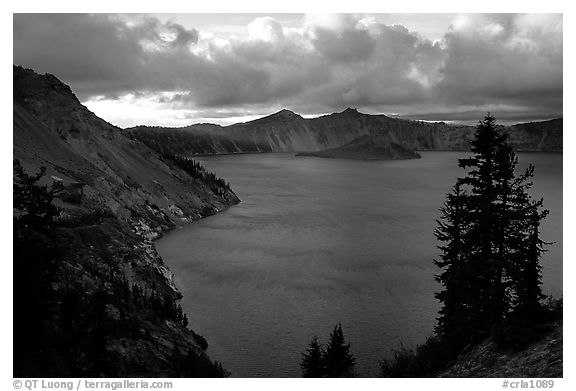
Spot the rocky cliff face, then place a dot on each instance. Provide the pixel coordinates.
(120, 196)
(286, 131)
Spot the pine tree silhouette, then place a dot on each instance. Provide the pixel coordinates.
(491, 251)
(338, 360)
(312, 363)
(452, 229)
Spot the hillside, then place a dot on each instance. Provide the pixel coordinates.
(542, 359)
(366, 148)
(53, 129)
(286, 131)
(119, 195)
(537, 136)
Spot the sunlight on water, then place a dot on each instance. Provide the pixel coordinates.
(320, 241)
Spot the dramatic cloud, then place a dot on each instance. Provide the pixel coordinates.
(128, 67)
(504, 59)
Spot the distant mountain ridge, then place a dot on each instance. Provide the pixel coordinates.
(286, 131)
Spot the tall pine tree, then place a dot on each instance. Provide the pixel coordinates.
(35, 253)
(491, 246)
(338, 360)
(313, 360)
(483, 224)
(452, 322)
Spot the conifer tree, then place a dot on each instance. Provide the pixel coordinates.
(528, 272)
(489, 225)
(33, 207)
(34, 263)
(451, 230)
(338, 359)
(312, 363)
(483, 225)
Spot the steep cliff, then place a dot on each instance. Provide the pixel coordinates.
(112, 306)
(286, 131)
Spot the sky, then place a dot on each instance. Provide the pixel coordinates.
(180, 69)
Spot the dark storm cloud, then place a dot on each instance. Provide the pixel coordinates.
(347, 46)
(513, 62)
(98, 54)
(93, 53)
(183, 36)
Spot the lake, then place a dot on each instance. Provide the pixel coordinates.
(319, 241)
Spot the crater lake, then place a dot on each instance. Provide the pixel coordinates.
(316, 242)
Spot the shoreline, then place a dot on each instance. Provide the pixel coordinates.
(306, 153)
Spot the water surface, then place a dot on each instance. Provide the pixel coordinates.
(321, 241)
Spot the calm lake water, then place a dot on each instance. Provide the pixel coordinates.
(321, 241)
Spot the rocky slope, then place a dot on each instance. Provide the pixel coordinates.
(366, 148)
(542, 359)
(120, 195)
(286, 131)
(537, 136)
(52, 128)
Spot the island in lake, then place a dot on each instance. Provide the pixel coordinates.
(370, 147)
